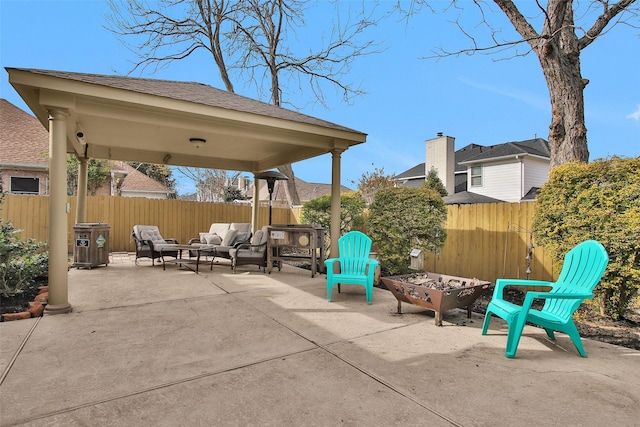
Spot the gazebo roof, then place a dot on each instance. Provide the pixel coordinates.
(147, 120)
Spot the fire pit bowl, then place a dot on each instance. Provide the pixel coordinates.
(435, 292)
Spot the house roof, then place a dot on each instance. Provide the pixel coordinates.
(147, 120)
(306, 190)
(531, 194)
(468, 198)
(476, 153)
(466, 153)
(23, 140)
(535, 147)
(418, 171)
(138, 181)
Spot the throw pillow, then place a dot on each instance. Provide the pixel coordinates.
(229, 238)
(242, 237)
(212, 239)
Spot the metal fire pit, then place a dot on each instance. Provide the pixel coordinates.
(435, 292)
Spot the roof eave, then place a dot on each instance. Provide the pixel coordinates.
(510, 156)
(22, 166)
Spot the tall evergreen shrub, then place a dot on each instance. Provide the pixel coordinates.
(401, 219)
(600, 201)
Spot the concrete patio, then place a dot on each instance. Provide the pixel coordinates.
(145, 346)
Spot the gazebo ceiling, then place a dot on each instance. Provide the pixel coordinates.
(145, 120)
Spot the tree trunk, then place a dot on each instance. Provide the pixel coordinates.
(567, 132)
(558, 50)
(291, 183)
(559, 56)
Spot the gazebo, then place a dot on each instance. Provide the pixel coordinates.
(162, 122)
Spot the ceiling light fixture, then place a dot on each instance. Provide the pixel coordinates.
(197, 142)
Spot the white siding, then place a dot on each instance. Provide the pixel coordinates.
(536, 173)
(501, 180)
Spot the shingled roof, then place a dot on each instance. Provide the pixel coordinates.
(192, 92)
(154, 121)
(535, 147)
(23, 140)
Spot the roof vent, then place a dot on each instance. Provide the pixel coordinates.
(439, 134)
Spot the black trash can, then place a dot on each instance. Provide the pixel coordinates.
(91, 245)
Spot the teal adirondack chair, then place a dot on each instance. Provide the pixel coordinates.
(353, 267)
(583, 268)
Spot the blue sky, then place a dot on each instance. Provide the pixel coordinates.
(476, 99)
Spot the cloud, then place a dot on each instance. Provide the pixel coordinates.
(635, 115)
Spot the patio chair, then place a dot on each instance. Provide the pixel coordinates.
(583, 268)
(354, 266)
(251, 253)
(149, 242)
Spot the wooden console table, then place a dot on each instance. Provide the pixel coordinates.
(296, 242)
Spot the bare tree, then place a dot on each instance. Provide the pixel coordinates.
(210, 183)
(372, 182)
(557, 43)
(252, 39)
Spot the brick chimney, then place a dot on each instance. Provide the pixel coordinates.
(441, 157)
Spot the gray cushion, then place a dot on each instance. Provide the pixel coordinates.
(153, 235)
(229, 238)
(257, 239)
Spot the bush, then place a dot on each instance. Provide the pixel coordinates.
(318, 211)
(404, 218)
(599, 201)
(21, 261)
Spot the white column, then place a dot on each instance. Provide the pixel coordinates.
(58, 256)
(81, 208)
(255, 205)
(335, 201)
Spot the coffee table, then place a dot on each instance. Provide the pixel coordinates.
(188, 262)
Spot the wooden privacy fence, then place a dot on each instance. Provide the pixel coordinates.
(487, 241)
(179, 219)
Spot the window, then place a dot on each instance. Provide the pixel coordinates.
(476, 176)
(25, 185)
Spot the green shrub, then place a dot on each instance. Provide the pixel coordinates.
(318, 211)
(401, 219)
(600, 201)
(21, 261)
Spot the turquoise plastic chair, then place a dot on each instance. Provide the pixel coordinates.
(583, 268)
(353, 267)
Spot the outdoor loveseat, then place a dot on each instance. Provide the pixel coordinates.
(223, 237)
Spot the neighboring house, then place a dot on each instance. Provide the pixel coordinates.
(24, 151)
(306, 191)
(510, 172)
(281, 199)
(24, 161)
